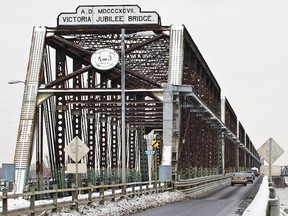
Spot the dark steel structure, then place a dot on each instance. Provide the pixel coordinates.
(167, 80)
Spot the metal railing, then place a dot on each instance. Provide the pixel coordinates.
(193, 188)
(202, 185)
(93, 193)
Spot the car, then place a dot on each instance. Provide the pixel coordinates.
(249, 177)
(256, 171)
(238, 178)
(252, 173)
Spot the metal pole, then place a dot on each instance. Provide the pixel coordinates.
(270, 159)
(155, 165)
(76, 185)
(123, 125)
(223, 153)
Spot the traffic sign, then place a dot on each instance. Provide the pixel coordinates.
(149, 136)
(76, 149)
(276, 151)
(150, 152)
(76, 168)
(155, 143)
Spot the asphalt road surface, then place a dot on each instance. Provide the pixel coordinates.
(230, 200)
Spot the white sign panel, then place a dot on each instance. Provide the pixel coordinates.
(71, 168)
(275, 170)
(276, 151)
(76, 149)
(108, 15)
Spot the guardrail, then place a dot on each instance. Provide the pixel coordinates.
(202, 185)
(94, 193)
(100, 193)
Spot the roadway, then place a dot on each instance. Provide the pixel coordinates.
(230, 200)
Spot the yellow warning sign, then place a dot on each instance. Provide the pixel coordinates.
(155, 143)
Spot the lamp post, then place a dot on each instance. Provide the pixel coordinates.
(15, 81)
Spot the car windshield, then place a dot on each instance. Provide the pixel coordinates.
(248, 174)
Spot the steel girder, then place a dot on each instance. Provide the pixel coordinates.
(199, 151)
(25, 137)
(75, 99)
(94, 115)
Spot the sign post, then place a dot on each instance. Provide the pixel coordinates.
(270, 159)
(123, 113)
(76, 149)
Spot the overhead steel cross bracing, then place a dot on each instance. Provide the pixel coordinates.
(75, 50)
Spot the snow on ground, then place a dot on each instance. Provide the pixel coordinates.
(120, 207)
(124, 206)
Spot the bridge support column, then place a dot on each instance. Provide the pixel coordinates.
(171, 113)
(165, 169)
(165, 172)
(222, 155)
(237, 159)
(168, 167)
(24, 144)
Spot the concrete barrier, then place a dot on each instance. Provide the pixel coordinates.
(259, 205)
(266, 202)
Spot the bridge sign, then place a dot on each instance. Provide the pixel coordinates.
(276, 151)
(109, 15)
(104, 59)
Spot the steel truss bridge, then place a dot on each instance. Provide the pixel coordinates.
(170, 93)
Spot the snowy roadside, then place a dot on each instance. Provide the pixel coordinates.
(122, 207)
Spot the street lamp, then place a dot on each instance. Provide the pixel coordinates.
(15, 81)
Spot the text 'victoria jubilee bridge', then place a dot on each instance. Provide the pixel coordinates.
(117, 81)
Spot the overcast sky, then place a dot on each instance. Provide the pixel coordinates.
(244, 42)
